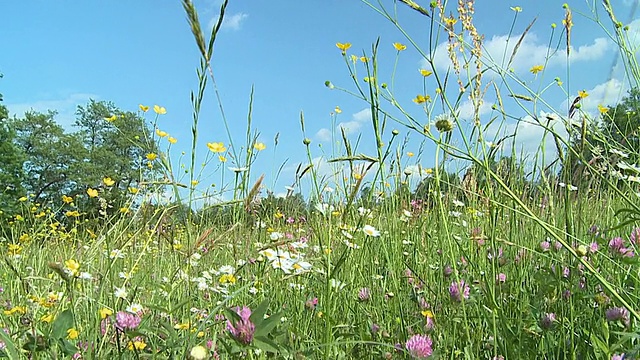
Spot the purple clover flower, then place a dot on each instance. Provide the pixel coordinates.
(459, 291)
(617, 314)
(364, 294)
(547, 321)
(127, 321)
(419, 346)
(243, 329)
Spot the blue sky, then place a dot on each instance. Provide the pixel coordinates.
(59, 54)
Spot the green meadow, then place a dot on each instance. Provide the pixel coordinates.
(111, 249)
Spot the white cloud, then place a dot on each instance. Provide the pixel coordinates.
(323, 134)
(532, 51)
(607, 93)
(65, 107)
(350, 127)
(230, 22)
(466, 109)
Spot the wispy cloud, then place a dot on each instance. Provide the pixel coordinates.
(532, 51)
(350, 127)
(231, 22)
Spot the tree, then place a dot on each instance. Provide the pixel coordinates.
(11, 159)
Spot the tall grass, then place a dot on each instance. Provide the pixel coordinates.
(501, 260)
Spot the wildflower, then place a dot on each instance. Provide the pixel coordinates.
(160, 110)
(133, 190)
(344, 47)
(459, 291)
(161, 133)
(67, 199)
(137, 343)
(216, 147)
(547, 321)
(419, 346)
(444, 123)
(243, 329)
(135, 308)
(121, 293)
(364, 294)
(617, 314)
(501, 278)
(616, 244)
(172, 140)
(337, 284)
(425, 72)
(72, 334)
(602, 109)
(337, 110)
(111, 118)
(199, 352)
(399, 47)
(127, 321)
(71, 267)
(370, 231)
(583, 94)
(311, 304)
(421, 99)
(260, 146)
(143, 108)
(92, 192)
(108, 181)
(516, 9)
(536, 69)
(105, 313)
(151, 156)
(449, 22)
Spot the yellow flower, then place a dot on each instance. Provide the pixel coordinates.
(172, 140)
(449, 22)
(73, 213)
(222, 158)
(195, 182)
(227, 279)
(160, 110)
(344, 47)
(583, 94)
(357, 176)
(337, 110)
(92, 192)
(427, 314)
(124, 210)
(182, 326)
(133, 190)
(108, 181)
(516, 9)
(161, 133)
(23, 199)
(14, 249)
(138, 345)
(421, 99)
(67, 199)
(105, 312)
(143, 108)
(354, 58)
(535, 69)
(399, 47)
(72, 334)
(364, 59)
(425, 72)
(369, 79)
(410, 154)
(602, 109)
(260, 146)
(72, 265)
(47, 318)
(216, 147)
(112, 118)
(152, 156)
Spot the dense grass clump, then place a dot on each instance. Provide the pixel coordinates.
(486, 255)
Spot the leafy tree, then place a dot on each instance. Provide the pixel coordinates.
(51, 159)
(11, 159)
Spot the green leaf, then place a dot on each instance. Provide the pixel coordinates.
(268, 324)
(599, 344)
(62, 323)
(257, 316)
(265, 344)
(10, 347)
